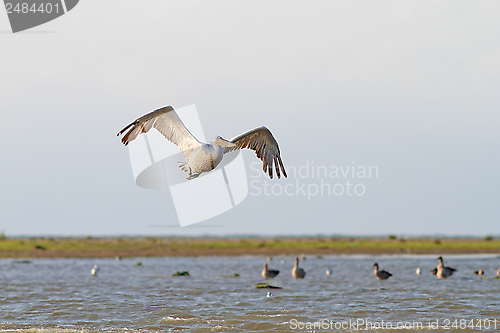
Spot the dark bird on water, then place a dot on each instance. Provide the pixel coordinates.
(381, 274)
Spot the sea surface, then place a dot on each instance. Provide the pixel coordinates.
(61, 295)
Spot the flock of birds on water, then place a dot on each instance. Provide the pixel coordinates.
(441, 271)
(204, 157)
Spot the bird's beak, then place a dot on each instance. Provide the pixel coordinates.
(224, 143)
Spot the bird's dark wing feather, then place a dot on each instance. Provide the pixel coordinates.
(262, 141)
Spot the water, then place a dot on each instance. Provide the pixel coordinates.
(61, 295)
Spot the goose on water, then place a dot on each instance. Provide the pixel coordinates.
(298, 272)
(418, 270)
(269, 273)
(204, 157)
(443, 272)
(381, 274)
(479, 272)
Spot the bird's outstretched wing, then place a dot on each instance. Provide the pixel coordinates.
(167, 122)
(262, 141)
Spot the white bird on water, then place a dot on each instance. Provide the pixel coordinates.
(204, 157)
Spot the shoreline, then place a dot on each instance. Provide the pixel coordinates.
(89, 247)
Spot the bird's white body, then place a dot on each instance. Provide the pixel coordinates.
(204, 157)
(201, 159)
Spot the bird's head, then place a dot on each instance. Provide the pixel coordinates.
(219, 141)
(440, 258)
(375, 264)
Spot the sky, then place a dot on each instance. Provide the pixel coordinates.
(407, 88)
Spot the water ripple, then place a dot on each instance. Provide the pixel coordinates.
(60, 295)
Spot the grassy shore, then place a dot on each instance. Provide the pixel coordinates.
(157, 246)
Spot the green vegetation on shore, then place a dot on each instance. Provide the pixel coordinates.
(163, 246)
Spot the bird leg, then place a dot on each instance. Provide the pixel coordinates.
(186, 168)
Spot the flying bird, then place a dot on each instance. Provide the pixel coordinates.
(204, 157)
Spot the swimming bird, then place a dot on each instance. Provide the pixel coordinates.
(443, 272)
(381, 274)
(498, 272)
(298, 272)
(94, 270)
(269, 294)
(418, 270)
(269, 273)
(479, 272)
(329, 272)
(204, 157)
